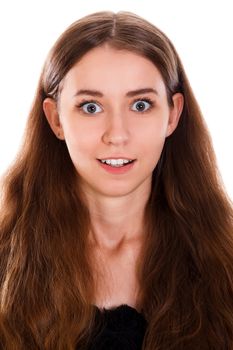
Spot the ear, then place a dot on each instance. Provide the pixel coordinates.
(51, 113)
(175, 113)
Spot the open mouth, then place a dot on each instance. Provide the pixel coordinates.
(115, 164)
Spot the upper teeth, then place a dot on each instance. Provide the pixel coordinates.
(116, 161)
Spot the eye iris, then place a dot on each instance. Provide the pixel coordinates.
(140, 105)
(91, 108)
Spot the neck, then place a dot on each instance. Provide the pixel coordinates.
(117, 221)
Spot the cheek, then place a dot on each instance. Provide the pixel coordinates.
(77, 134)
(152, 144)
(154, 135)
(79, 145)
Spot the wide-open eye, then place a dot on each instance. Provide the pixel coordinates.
(142, 105)
(89, 107)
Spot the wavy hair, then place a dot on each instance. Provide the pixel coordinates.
(185, 269)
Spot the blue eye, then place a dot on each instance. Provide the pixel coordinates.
(90, 107)
(142, 105)
(139, 105)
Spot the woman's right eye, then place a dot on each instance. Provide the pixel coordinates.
(90, 107)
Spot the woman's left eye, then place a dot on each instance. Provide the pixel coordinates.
(142, 105)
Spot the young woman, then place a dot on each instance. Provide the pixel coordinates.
(116, 231)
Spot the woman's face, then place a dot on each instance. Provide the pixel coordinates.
(113, 106)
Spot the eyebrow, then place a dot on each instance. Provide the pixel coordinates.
(128, 94)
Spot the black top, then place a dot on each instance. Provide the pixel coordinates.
(123, 328)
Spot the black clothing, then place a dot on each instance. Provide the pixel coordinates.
(123, 328)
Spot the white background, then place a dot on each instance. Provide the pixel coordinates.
(202, 32)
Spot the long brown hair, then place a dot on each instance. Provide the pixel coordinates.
(185, 269)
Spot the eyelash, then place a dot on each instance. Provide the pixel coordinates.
(143, 99)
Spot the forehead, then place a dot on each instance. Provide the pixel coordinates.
(105, 68)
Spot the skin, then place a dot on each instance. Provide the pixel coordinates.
(117, 127)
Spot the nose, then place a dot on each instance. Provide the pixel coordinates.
(116, 131)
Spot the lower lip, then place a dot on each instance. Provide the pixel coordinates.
(121, 170)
